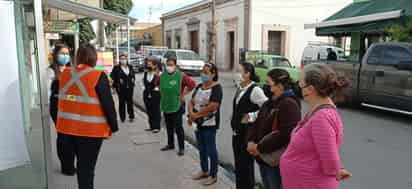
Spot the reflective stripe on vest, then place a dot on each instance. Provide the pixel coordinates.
(77, 117)
(74, 98)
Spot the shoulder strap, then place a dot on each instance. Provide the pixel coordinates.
(196, 89)
(323, 106)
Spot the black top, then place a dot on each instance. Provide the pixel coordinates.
(121, 80)
(151, 85)
(105, 97)
(244, 106)
(214, 94)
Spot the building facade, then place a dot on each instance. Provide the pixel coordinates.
(147, 31)
(276, 26)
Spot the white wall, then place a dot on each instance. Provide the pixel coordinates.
(293, 14)
(223, 12)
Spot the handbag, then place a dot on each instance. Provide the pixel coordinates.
(273, 158)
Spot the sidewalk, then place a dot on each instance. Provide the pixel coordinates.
(132, 160)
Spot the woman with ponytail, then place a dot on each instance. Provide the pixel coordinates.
(276, 120)
(312, 159)
(248, 99)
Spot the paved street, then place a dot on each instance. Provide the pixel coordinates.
(376, 145)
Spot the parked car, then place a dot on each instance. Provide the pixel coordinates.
(268, 62)
(383, 80)
(187, 60)
(264, 62)
(313, 53)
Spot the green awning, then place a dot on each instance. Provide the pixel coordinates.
(371, 27)
(366, 11)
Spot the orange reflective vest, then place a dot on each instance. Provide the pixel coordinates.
(80, 112)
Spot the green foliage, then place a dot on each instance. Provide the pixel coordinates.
(119, 6)
(86, 31)
(400, 33)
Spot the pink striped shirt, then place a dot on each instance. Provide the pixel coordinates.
(312, 159)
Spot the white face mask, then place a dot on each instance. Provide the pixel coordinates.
(170, 69)
(123, 62)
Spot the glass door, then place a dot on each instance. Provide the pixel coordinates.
(32, 172)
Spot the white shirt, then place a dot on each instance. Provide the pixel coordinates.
(125, 69)
(257, 97)
(149, 76)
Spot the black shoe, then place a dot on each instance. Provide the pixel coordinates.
(155, 130)
(181, 153)
(167, 148)
(149, 130)
(122, 120)
(69, 173)
(131, 120)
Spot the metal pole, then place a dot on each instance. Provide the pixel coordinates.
(214, 38)
(42, 67)
(128, 41)
(117, 45)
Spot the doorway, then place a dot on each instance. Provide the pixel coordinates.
(275, 42)
(231, 38)
(194, 41)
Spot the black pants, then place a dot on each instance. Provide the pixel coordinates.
(87, 151)
(152, 103)
(244, 163)
(125, 99)
(174, 123)
(64, 152)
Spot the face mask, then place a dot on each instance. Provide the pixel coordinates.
(123, 62)
(63, 59)
(205, 78)
(170, 69)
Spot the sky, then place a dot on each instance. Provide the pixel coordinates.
(141, 8)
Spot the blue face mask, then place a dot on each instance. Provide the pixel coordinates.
(63, 59)
(205, 78)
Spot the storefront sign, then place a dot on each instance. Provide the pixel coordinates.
(13, 148)
(54, 36)
(61, 27)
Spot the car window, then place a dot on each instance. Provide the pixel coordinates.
(156, 52)
(395, 55)
(375, 56)
(187, 56)
(280, 62)
(170, 54)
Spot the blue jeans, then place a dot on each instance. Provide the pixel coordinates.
(206, 143)
(270, 176)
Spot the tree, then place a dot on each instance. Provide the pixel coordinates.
(400, 33)
(119, 6)
(86, 30)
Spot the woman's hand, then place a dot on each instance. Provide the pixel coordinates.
(343, 174)
(252, 149)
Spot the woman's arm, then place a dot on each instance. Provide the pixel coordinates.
(289, 115)
(257, 97)
(325, 140)
(215, 101)
(106, 100)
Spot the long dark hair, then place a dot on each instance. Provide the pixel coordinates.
(86, 54)
(325, 81)
(55, 66)
(249, 68)
(213, 70)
